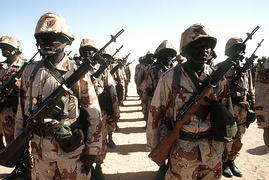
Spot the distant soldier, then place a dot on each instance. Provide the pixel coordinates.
(242, 99)
(120, 78)
(105, 89)
(137, 78)
(147, 61)
(12, 50)
(262, 98)
(164, 53)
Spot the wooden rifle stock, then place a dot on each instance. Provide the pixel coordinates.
(161, 152)
(10, 155)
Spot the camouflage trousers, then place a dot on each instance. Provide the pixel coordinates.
(236, 145)
(100, 158)
(189, 164)
(7, 123)
(58, 170)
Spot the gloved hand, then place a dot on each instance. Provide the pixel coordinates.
(87, 161)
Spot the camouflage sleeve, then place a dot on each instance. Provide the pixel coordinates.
(89, 102)
(157, 112)
(148, 90)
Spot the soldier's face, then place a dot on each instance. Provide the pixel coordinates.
(200, 51)
(50, 45)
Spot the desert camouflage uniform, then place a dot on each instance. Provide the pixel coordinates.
(137, 78)
(185, 155)
(106, 83)
(240, 107)
(47, 154)
(9, 104)
(262, 94)
(153, 75)
(120, 77)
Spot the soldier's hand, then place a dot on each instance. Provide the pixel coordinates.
(87, 161)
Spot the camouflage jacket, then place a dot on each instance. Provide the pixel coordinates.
(106, 82)
(35, 89)
(261, 94)
(6, 72)
(165, 105)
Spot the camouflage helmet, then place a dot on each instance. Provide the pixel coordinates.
(88, 43)
(11, 43)
(193, 33)
(55, 24)
(165, 46)
(233, 42)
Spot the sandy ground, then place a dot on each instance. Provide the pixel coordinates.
(129, 160)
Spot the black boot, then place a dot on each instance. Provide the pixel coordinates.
(110, 142)
(20, 171)
(98, 173)
(266, 136)
(226, 171)
(161, 172)
(236, 172)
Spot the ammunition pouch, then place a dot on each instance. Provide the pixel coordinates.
(223, 124)
(64, 135)
(67, 139)
(105, 102)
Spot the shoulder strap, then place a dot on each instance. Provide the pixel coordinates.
(193, 78)
(175, 83)
(54, 71)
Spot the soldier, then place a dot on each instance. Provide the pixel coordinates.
(137, 78)
(51, 157)
(120, 78)
(195, 155)
(12, 50)
(146, 64)
(242, 99)
(262, 98)
(164, 53)
(105, 89)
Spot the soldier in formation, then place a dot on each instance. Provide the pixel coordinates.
(53, 157)
(242, 99)
(105, 89)
(195, 155)
(11, 49)
(262, 98)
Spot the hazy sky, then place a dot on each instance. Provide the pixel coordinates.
(146, 22)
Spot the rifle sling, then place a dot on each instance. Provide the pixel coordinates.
(201, 112)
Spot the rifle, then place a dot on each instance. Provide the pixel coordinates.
(121, 63)
(11, 154)
(160, 153)
(117, 50)
(249, 62)
(104, 66)
(10, 84)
